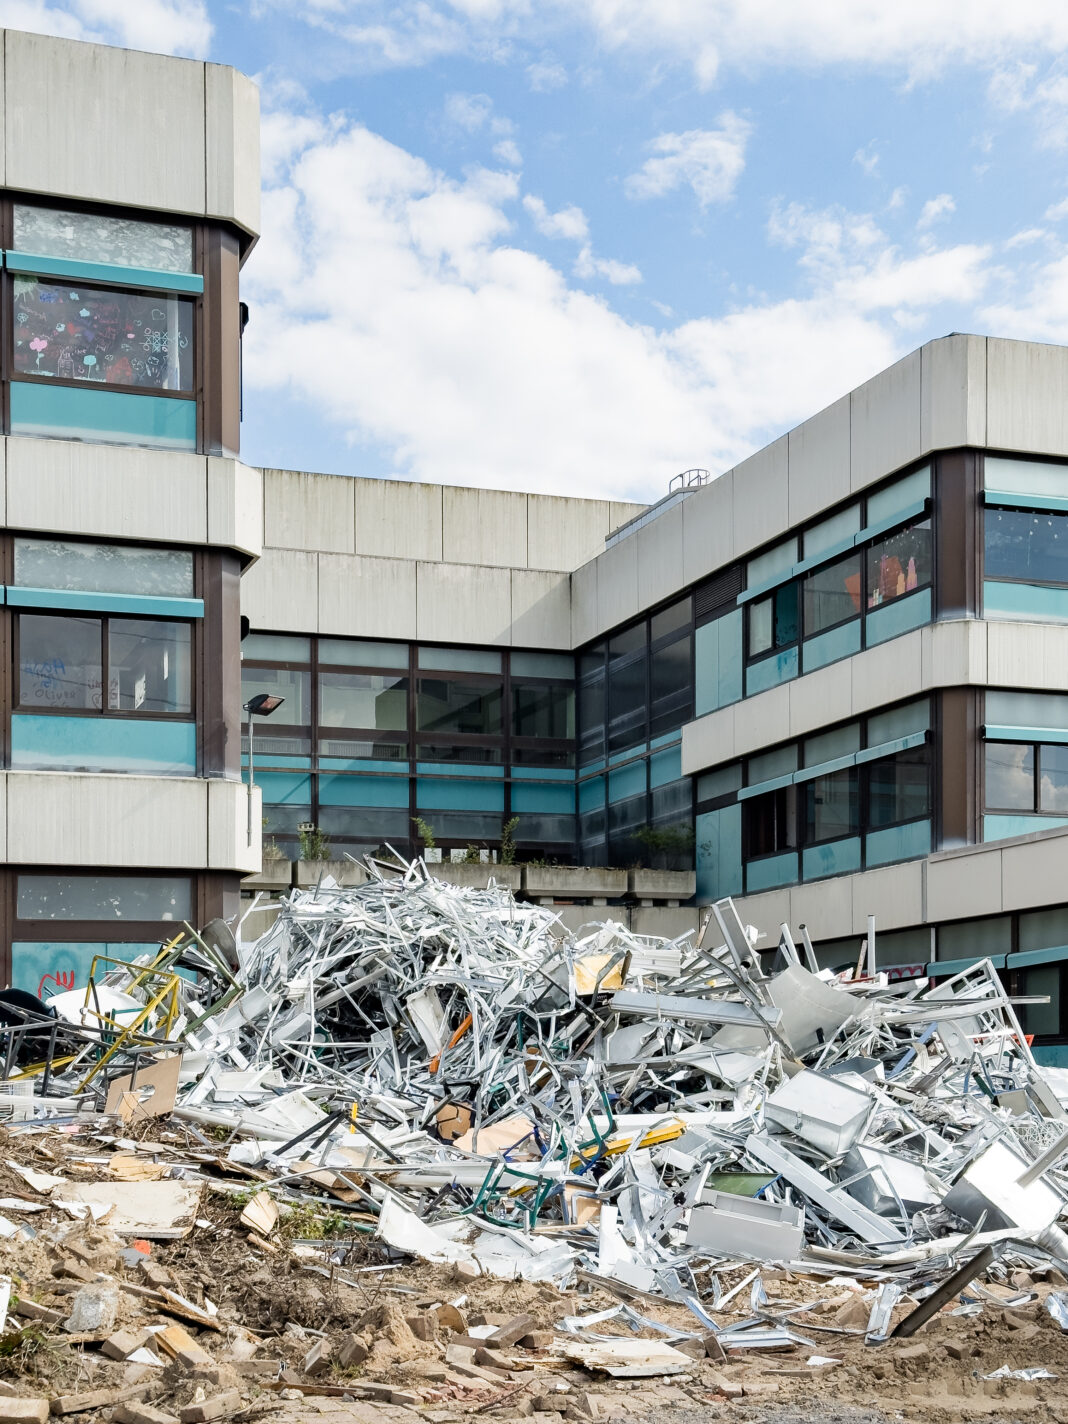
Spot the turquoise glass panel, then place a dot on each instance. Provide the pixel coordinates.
(718, 840)
(351, 764)
(543, 773)
(363, 791)
(455, 768)
(626, 781)
(835, 858)
(456, 795)
(141, 605)
(897, 499)
(85, 413)
(1000, 828)
(775, 870)
(770, 672)
(900, 616)
(668, 739)
(898, 843)
(665, 766)
(1054, 955)
(591, 794)
(544, 798)
(130, 745)
(1034, 602)
(190, 282)
(280, 788)
(1015, 477)
(51, 968)
(1053, 1055)
(841, 642)
(946, 968)
(718, 663)
(280, 763)
(628, 754)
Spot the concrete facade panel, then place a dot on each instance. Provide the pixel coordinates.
(235, 506)
(766, 911)
(660, 557)
(892, 670)
(70, 486)
(367, 598)
(667, 920)
(762, 497)
(229, 847)
(708, 529)
(280, 593)
(819, 462)
(894, 894)
(305, 511)
(585, 619)
(1027, 396)
(541, 609)
(481, 526)
(960, 886)
(821, 697)
(620, 511)
(709, 741)
(884, 422)
(232, 147)
(398, 519)
(763, 721)
(1034, 873)
(825, 906)
(1027, 655)
(144, 146)
(617, 585)
(953, 654)
(458, 604)
(75, 819)
(562, 534)
(954, 392)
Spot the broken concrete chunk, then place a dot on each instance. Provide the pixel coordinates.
(23, 1410)
(513, 1332)
(221, 1406)
(94, 1310)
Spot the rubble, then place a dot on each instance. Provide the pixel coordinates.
(698, 1153)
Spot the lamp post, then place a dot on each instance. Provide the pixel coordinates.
(264, 703)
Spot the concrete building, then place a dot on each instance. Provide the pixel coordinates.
(832, 680)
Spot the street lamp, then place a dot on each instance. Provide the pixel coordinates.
(263, 703)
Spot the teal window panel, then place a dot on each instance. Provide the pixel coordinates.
(627, 781)
(280, 788)
(899, 500)
(901, 616)
(835, 858)
(665, 766)
(1034, 602)
(898, 843)
(591, 794)
(770, 672)
(543, 773)
(639, 749)
(589, 767)
(117, 417)
(454, 768)
(668, 739)
(140, 604)
(451, 794)
(1002, 828)
(353, 764)
(1024, 734)
(946, 968)
(1007, 479)
(1023, 959)
(1052, 1055)
(718, 663)
(1057, 502)
(52, 967)
(718, 842)
(131, 745)
(552, 800)
(280, 763)
(363, 791)
(774, 870)
(190, 282)
(829, 647)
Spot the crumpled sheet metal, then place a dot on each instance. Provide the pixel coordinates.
(483, 1087)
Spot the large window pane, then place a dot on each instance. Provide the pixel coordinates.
(292, 684)
(831, 595)
(899, 564)
(770, 822)
(831, 806)
(1043, 1020)
(275, 647)
(148, 665)
(898, 788)
(542, 710)
(627, 662)
(117, 338)
(1010, 776)
(1053, 778)
(773, 621)
(471, 706)
(103, 568)
(1027, 545)
(671, 678)
(591, 704)
(105, 897)
(355, 699)
(59, 662)
(90, 237)
(356, 652)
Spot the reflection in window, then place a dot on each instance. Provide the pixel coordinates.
(542, 710)
(1043, 1020)
(291, 683)
(103, 568)
(832, 595)
(899, 564)
(671, 679)
(1010, 776)
(104, 897)
(1026, 545)
(898, 789)
(148, 665)
(59, 663)
(470, 706)
(377, 702)
(1053, 778)
(832, 806)
(773, 621)
(91, 237)
(110, 337)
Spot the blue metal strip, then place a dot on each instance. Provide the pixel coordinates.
(1025, 501)
(30, 262)
(993, 733)
(763, 786)
(900, 744)
(910, 511)
(826, 768)
(1022, 958)
(943, 968)
(828, 555)
(139, 604)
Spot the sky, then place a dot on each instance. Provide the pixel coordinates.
(578, 246)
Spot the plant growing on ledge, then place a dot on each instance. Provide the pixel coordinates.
(472, 855)
(666, 842)
(314, 844)
(508, 841)
(425, 832)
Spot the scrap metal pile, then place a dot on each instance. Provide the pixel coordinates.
(474, 1085)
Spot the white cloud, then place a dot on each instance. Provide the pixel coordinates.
(620, 274)
(568, 222)
(395, 305)
(544, 77)
(710, 161)
(163, 26)
(508, 153)
(1015, 89)
(867, 159)
(1056, 211)
(935, 209)
(1026, 237)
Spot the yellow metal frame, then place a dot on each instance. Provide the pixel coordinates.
(165, 994)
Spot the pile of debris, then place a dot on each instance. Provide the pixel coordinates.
(672, 1129)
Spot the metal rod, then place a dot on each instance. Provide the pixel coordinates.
(943, 1293)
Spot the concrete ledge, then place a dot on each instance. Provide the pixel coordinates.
(566, 882)
(670, 886)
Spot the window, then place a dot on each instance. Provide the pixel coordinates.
(1027, 545)
(104, 897)
(1027, 777)
(831, 806)
(103, 568)
(591, 704)
(773, 621)
(64, 662)
(899, 564)
(771, 823)
(832, 595)
(123, 339)
(627, 694)
(899, 788)
(294, 684)
(471, 706)
(545, 710)
(378, 702)
(91, 237)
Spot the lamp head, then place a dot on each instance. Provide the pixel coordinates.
(263, 704)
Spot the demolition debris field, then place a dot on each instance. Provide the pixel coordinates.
(419, 1152)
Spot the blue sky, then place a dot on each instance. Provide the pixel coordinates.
(578, 245)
